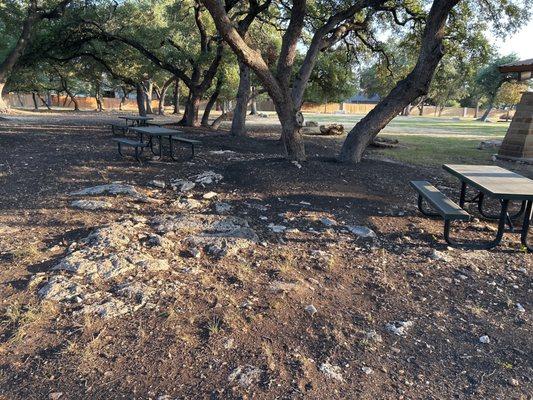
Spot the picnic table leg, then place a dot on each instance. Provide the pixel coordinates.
(488, 245)
(151, 142)
(421, 208)
(462, 196)
(525, 226)
(120, 149)
(171, 148)
(480, 200)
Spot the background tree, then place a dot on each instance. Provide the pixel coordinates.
(28, 15)
(509, 95)
(489, 80)
(437, 33)
(332, 79)
(325, 23)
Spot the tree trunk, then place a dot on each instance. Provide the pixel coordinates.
(75, 101)
(477, 109)
(163, 95)
(291, 125)
(238, 123)
(35, 104)
(407, 90)
(211, 103)
(3, 103)
(176, 97)
(99, 105)
(222, 117)
(485, 115)
(253, 105)
(72, 96)
(7, 65)
(140, 99)
(148, 97)
(190, 118)
(43, 101)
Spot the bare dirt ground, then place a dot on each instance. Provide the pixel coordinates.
(263, 289)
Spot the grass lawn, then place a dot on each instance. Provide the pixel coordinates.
(431, 141)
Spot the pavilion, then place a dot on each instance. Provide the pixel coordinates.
(518, 142)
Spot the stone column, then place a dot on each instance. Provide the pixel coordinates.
(518, 142)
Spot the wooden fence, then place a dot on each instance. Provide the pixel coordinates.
(89, 103)
(85, 103)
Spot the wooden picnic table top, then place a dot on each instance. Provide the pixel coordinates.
(493, 180)
(136, 118)
(156, 131)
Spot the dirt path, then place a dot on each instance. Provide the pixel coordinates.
(257, 282)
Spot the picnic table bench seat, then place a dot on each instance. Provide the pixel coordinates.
(442, 204)
(117, 126)
(190, 142)
(137, 145)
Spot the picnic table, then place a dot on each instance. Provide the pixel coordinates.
(500, 184)
(136, 120)
(160, 133)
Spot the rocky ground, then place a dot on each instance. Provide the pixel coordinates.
(238, 275)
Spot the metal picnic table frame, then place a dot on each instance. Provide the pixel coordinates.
(503, 185)
(159, 133)
(136, 120)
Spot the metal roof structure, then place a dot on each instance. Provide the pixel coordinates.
(524, 68)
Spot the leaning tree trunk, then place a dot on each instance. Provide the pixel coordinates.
(364, 131)
(141, 104)
(238, 123)
(35, 103)
(415, 84)
(211, 103)
(485, 115)
(73, 98)
(43, 101)
(222, 117)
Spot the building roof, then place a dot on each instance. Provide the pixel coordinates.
(517, 66)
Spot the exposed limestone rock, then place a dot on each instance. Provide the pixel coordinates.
(223, 208)
(112, 188)
(187, 204)
(91, 204)
(218, 235)
(59, 288)
(362, 231)
(207, 178)
(245, 375)
(182, 185)
(109, 309)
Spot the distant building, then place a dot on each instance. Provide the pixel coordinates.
(361, 98)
